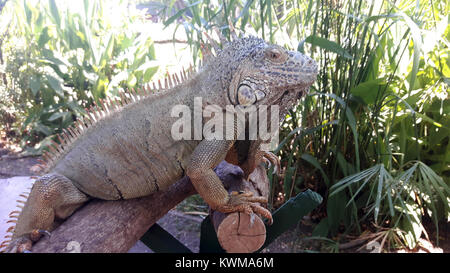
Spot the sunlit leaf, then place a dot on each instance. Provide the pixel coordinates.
(56, 84)
(328, 45)
(369, 91)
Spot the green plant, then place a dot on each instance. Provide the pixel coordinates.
(380, 100)
(62, 57)
(373, 135)
(400, 200)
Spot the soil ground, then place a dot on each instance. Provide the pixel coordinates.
(186, 228)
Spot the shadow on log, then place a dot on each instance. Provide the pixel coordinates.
(115, 226)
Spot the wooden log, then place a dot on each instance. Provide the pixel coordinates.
(239, 232)
(113, 226)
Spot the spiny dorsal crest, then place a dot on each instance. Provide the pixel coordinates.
(240, 47)
(103, 109)
(13, 217)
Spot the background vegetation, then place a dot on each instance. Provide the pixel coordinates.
(59, 58)
(372, 137)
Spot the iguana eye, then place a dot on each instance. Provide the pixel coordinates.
(273, 54)
(245, 95)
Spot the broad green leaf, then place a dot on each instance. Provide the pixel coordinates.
(100, 87)
(430, 120)
(291, 212)
(54, 12)
(43, 129)
(148, 74)
(119, 77)
(35, 84)
(131, 80)
(147, 65)
(322, 228)
(313, 161)
(75, 107)
(28, 12)
(369, 91)
(328, 46)
(335, 211)
(411, 224)
(107, 54)
(352, 123)
(287, 183)
(417, 39)
(58, 115)
(43, 37)
(343, 164)
(56, 84)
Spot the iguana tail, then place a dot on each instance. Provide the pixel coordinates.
(13, 216)
(53, 196)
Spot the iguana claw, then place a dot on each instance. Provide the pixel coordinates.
(245, 202)
(19, 245)
(37, 233)
(23, 244)
(271, 159)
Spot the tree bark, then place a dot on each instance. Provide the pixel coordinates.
(113, 226)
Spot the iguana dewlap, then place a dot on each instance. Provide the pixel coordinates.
(124, 149)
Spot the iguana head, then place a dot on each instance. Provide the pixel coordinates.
(261, 73)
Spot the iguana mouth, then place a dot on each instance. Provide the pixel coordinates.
(299, 91)
(302, 92)
(286, 92)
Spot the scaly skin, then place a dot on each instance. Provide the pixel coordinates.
(128, 152)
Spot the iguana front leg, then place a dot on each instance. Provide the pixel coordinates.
(207, 155)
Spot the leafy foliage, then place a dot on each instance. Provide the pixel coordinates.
(62, 58)
(372, 137)
(380, 105)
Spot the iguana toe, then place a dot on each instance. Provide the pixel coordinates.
(36, 234)
(247, 203)
(272, 159)
(22, 244)
(18, 245)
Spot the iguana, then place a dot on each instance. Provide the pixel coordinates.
(123, 149)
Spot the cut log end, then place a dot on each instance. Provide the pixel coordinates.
(241, 233)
